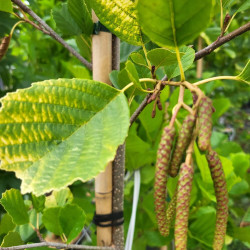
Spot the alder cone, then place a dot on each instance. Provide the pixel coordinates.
(160, 186)
(220, 188)
(184, 138)
(205, 123)
(4, 46)
(182, 206)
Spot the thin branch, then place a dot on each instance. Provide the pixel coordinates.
(52, 33)
(198, 55)
(221, 40)
(56, 245)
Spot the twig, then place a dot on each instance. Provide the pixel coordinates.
(221, 41)
(52, 33)
(56, 245)
(198, 55)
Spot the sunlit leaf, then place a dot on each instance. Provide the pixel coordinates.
(60, 131)
(120, 18)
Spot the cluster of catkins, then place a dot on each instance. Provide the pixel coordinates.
(169, 162)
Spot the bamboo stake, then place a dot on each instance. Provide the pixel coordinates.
(200, 61)
(102, 66)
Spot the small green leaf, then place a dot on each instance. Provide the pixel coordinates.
(12, 239)
(173, 22)
(245, 74)
(51, 220)
(82, 15)
(6, 6)
(187, 60)
(120, 17)
(72, 219)
(65, 22)
(138, 58)
(59, 198)
(162, 57)
(26, 231)
(6, 224)
(132, 74)
(13, 203)
(38, 202)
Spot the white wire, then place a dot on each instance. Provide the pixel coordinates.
(131, 229)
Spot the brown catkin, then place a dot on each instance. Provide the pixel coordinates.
(205, 123)
(4, 46)
(182, 206)
(220, 188)
(184, 138)
(160, 186)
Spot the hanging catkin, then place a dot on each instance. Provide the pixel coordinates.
(220, 188)
(182, 206)
(184, 138)
(205, 123)
(162, 162)
(171, 211)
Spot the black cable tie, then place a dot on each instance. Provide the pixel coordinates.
(99, 27)
(116, 219)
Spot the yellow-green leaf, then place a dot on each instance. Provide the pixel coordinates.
(60, 131)
(120, 17)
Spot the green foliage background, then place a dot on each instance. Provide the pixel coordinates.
(33, 57)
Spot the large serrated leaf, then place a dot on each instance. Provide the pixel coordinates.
(82, 15)
(166, 21)
(60, 131)
(120, 18)
(13, 203)
(65, 22)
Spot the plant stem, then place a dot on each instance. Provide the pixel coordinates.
(55, 245)
(52, 33)
(13, 28)
(216, 78)
(221, 40)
